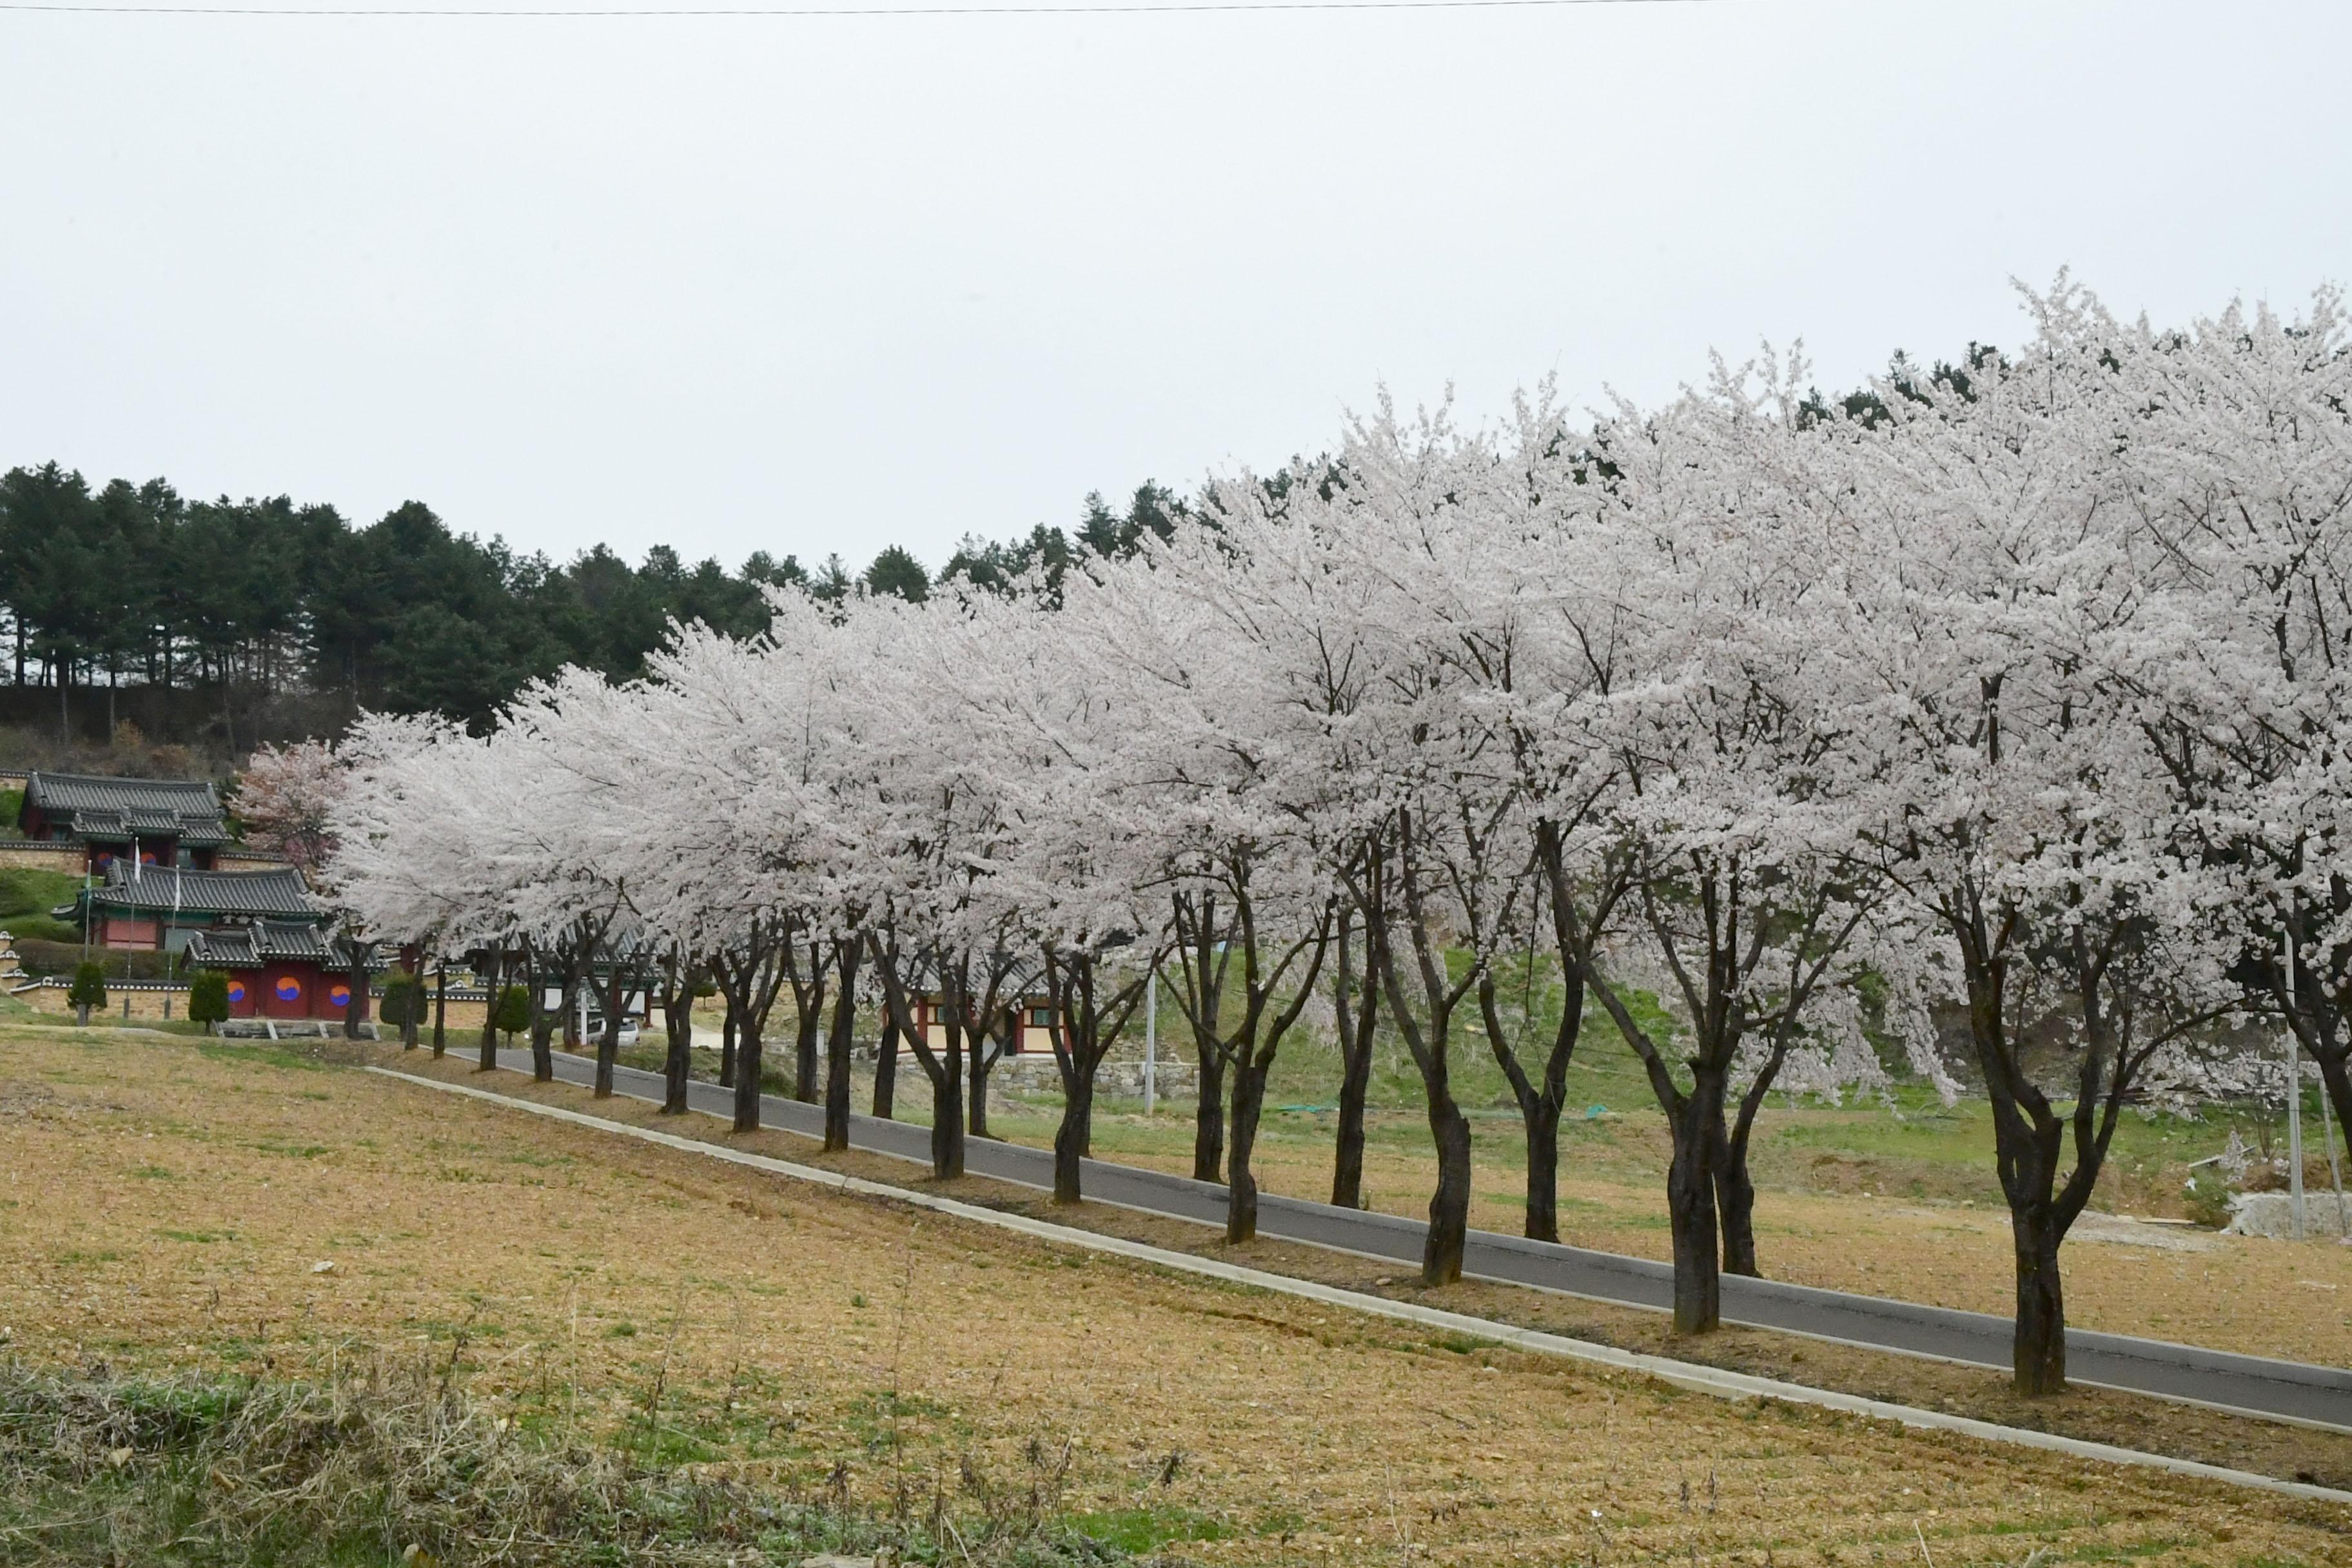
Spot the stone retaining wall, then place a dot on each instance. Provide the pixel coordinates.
(38, 855)
(147, 999)
(2272, 1215)
(150, 999)
(1038, 1075)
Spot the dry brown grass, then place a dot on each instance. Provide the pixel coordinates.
(166, 1204)
(392, 1463)
(2094, 1415)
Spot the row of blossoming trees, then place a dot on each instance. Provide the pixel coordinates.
(2012, 708)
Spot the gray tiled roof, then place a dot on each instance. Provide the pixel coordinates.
(249, 947)
(117, 809)
(162, 888)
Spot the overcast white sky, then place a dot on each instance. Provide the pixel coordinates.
(810, 285)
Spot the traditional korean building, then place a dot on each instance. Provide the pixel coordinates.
(282, 970)
(263, 929)
(152, 822)
(1032, 1033)
(162, 906)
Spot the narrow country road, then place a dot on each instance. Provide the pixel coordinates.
(2290, 1390)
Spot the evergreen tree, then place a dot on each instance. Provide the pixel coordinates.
(895, 571)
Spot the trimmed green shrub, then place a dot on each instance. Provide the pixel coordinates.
(403, 999)
(89, 989)
(513, 1014)
(208, 997)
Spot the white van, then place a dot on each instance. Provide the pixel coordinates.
(592, 1034)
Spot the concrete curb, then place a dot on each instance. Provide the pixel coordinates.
(1700, 1379)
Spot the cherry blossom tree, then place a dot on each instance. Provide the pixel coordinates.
(285, 796)
(2233, 446)
(925, 811)
(1085, 848)
(2023, 699)
(1744, 887)
(418, 829)
(2010, 780)
(729, 743)
(1473, 653)
(1230, 764)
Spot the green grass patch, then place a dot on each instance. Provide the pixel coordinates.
(1141, 1529)
(26, 891)
(288, 1151)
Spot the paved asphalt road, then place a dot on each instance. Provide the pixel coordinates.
(2287, 1390)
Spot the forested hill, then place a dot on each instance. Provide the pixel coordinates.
(229, 619)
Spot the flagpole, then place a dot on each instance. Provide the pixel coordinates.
(135, 880)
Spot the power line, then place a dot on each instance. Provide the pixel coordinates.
(1150, 8)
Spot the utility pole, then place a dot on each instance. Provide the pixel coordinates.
(2294, 1094)
(1151, 1039)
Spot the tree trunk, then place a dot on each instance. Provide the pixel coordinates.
(747, 1077)
(542, 1027)
(608, 1053)
(81, 1015)
(978, 1060)
(1209, 1119)
(356, 1014)
(1348, 1162)
(2039, 1350)
(1690, 1211)
(608, 1044)
(808, 1033)
(1240, 1188)
(1735, 1207)
(678, 1065)
(836, 1050)
(947, 1111)
(1449, 1206)
(726, 1032)
(1354, 1015)
(2336, 1082)
(441, 1011)
(487, 1060)
(885, 1069)
(1543, 1170)
(1076, 1133)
